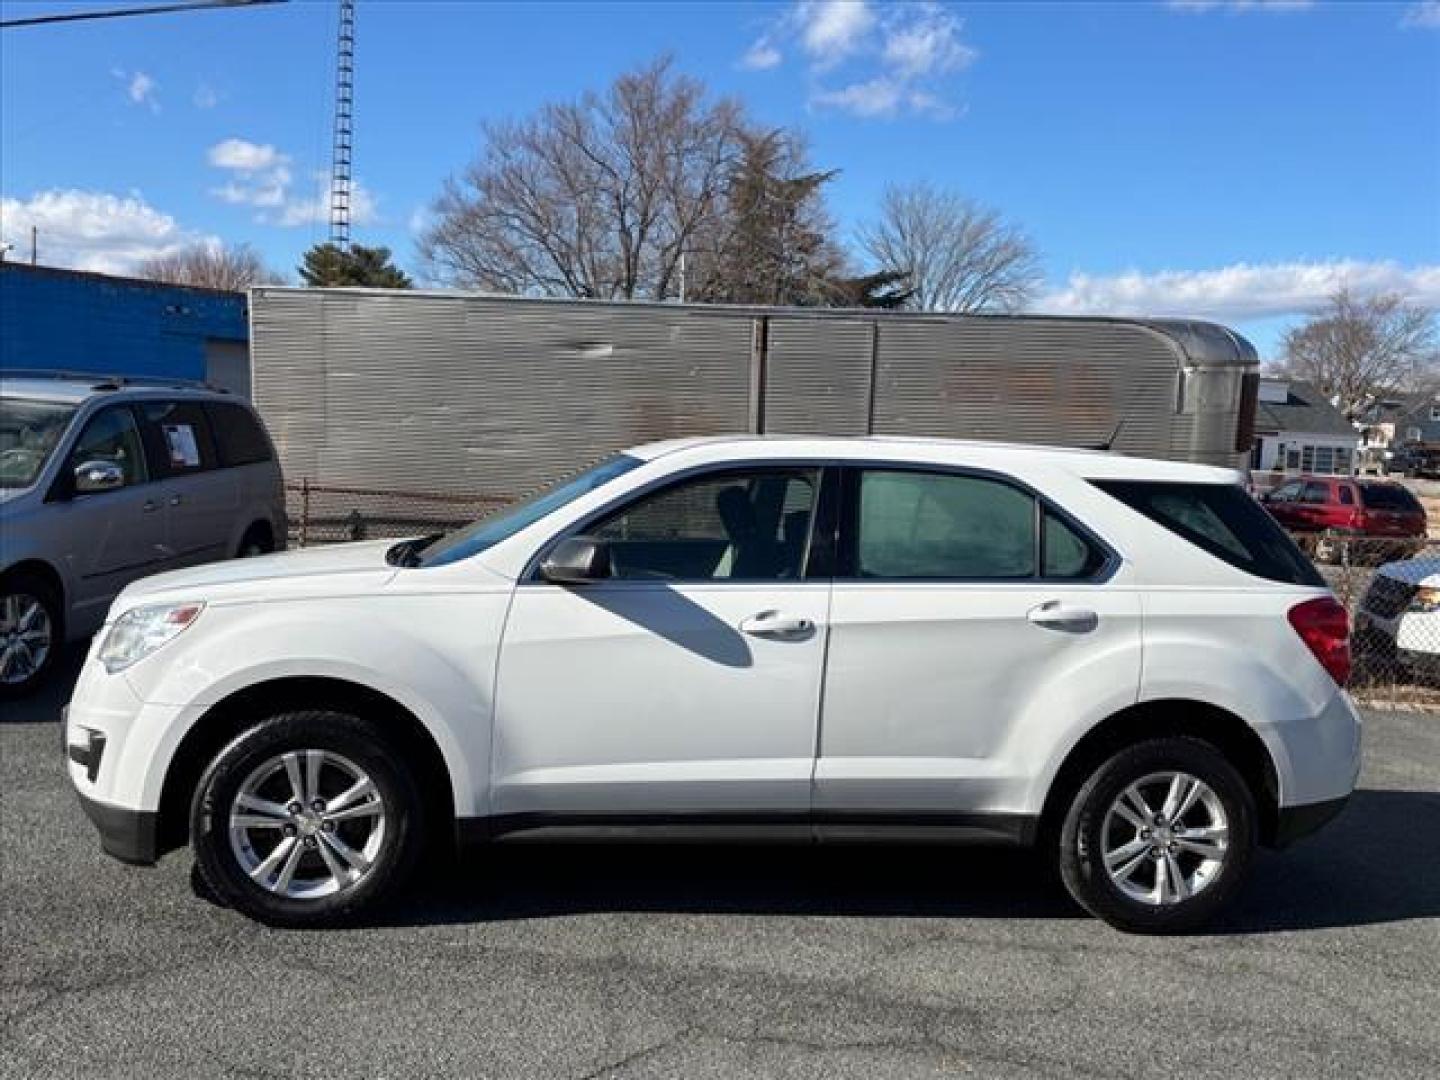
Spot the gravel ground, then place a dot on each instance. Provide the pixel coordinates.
(656, 961)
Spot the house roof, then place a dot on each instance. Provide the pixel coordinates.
(1305, 409)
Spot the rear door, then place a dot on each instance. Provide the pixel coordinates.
(960, 602)
(201, 497)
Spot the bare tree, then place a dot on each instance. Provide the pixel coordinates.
(1356, 350)
(956, 254)
(231, 268)
(602, 197)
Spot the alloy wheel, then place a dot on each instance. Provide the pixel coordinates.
(26, 637)
(1165, 838)
(307, 824)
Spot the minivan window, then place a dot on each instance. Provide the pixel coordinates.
(1389, 497)
(179, 437)
(29, 433)
(942, 525)
(239, 439)
(1222, 520)
(111, 436)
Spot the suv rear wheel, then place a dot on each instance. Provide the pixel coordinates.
(1159, 836)
(306, 819)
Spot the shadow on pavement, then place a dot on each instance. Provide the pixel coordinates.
(1374, 864)
(44, 704)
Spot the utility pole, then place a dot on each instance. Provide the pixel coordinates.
(344, 118)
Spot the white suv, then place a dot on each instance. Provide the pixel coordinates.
(1124, 661)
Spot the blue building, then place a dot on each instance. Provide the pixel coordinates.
(68, 320)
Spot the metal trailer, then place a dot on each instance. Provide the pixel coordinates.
(481, 395)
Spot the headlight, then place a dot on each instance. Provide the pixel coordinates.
(142, 630)
(1426, 599)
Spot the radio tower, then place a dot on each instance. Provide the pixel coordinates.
(344, 118)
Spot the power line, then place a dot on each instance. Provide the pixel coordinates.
(120, 13)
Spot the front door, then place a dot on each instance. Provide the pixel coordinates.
(966, 617)
(110, 537)
(684, 689)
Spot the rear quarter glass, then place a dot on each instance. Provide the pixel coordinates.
(1224, 521)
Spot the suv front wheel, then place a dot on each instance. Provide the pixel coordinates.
(1159, 836)
(306, 819)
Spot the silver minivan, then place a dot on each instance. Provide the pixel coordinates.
(105, 481)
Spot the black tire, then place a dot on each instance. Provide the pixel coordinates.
(1081, 852)
(26, 585)
(256, 541)
(357, 741)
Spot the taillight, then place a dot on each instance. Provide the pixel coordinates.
(1325, 628)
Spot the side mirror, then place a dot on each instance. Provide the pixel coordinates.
(577, 560)
(98, 476)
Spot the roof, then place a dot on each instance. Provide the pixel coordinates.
(1091, 464)
(65, 273)
(1306, 409)
(1199, 343)
(76, 390)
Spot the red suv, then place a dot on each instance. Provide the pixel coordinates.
(1330, 510)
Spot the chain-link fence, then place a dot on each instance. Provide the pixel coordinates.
(331, 515)
(1391, 587)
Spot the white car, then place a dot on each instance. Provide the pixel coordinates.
(1398, 624)
(804, 639)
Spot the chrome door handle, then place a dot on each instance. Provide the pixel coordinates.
(1053, 615)
(776, 624)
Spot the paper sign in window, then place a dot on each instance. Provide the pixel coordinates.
(184, 450)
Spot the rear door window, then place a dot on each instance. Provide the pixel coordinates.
(1222, 520)
(179, 437)
(1316, 493)
(239, 439)
(1388, 497)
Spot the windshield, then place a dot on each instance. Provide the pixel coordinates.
(29, 431)
(488, 532)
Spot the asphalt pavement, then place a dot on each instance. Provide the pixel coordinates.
(735, 961)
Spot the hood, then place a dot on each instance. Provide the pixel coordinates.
(1413, 571)
(333, 568)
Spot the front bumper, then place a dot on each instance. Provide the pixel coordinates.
(131, 836)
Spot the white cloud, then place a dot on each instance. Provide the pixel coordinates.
(1424, 15)
(830, 30)
(139, 88)
(93, 230)
(205, 97)
(302, 211)
(893, 56)
(1198, 6)
(1238, 292)
(929, 43)
(245, 156)
(761, 56)
(260, 174)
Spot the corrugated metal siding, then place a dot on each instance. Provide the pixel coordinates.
(817, 376)
(1027, 381)
(474, 394)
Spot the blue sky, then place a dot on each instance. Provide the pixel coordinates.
(1228, 160)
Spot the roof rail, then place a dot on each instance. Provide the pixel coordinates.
(109, 381)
